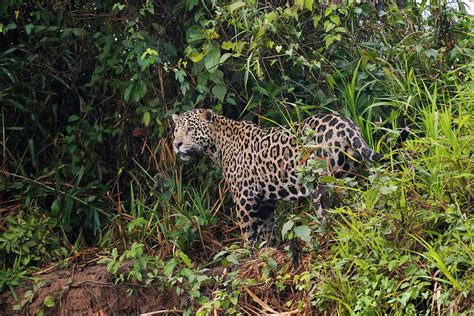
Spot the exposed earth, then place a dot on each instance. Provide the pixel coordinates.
(86, 290)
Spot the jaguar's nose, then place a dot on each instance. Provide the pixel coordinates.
(177, 144)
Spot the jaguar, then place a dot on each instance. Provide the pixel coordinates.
(260, 165)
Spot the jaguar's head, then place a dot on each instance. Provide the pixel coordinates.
(192, 133)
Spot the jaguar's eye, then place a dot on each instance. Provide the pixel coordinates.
(190, 129)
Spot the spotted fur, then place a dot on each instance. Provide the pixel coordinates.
(260, 164)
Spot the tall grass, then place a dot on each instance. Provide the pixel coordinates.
(99, 171)
(402, 245)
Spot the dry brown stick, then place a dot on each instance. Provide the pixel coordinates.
(164, 311)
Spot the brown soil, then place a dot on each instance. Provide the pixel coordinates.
(88, 290)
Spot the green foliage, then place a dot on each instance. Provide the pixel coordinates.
(86, 90)
(11, 278)
(25, 238)
(134, 257)
(290, 231)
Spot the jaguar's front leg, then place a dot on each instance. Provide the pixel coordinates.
(247, 212)
(318, 196)
(266, 220)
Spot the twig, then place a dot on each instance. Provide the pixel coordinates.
(162, 88)
(260, 302)
(164, 311)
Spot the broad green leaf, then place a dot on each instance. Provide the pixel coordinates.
(272, 263)
(219, 91)
(224, 58)
(403, 201)
(194, 34)
(169, 267)
(271, 16)
(261, 32)
(286, 227)
(300, 3)
(217, 77)
(196, 57)
(236, 5)
(303, 232)
(327, 179)
(316, 20)
(48, 301)
(211, 34)
(128, 90)
(187, 312)
(55, 208)
(118, 6)
(28, 28)
(331, 81)
(138, 276)
(240, 46)
(138, 222)
(220, 254)
(195, 293)
(329, 40)
(146, 118)
(185, 259)
(385, 190)
(328, 26)
(139, 90)
(10, 26)
(228, 45)
(190, 4)
(78, 32)
(308, 4)
(211, 61)
(180, 75)
(73, 118)
(149, 52)
(431, 52)
(232, 259)
(291, 12)
(335, 19)
(404, 298)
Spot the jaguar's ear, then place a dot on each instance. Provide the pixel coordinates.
(174, 117)
(207, 115)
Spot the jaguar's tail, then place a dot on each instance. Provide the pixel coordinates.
(365, 151)
(361, 147)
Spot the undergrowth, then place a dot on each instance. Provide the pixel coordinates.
(88, 171)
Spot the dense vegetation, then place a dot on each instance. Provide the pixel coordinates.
(87, 91)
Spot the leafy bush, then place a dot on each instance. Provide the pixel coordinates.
(86, 90)
(25, 239)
